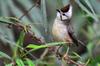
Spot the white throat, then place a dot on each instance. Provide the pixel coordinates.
(68, 14)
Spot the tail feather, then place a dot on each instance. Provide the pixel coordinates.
(80, 42)
(75, 40)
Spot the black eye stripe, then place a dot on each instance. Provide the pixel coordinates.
(64, 14)
(58, 10)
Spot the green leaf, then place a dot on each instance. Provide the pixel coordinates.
(89, 5)
(5, 21)
(9, 64)
(30, 62)
(19, 62)
(36, 47)
(44, 14)
(19, 43)
(46, 45)
(90, 32)
(98, 64)
(86, 10)
(94, 62)
(87, 62)
(21, 39)
(76, 54)
(2, 54)
(33, 46)
(90, 47)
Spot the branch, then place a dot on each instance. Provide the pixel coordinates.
(36, 4)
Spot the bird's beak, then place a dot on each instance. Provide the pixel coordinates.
(57, 10)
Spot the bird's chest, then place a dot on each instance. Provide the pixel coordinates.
(60, 31)
(59, 28)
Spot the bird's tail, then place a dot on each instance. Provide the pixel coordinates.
(80, 42)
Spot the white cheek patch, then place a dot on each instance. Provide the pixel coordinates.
(58, 14)
(64, 17)
(69, 13)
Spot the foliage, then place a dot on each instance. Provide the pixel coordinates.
(25, 32)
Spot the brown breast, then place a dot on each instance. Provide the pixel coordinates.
(59, 32)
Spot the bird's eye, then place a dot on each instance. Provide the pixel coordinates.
(57, 10)
(64, 14)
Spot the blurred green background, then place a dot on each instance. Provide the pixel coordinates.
(85, 20)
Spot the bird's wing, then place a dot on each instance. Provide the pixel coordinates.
(73, 37)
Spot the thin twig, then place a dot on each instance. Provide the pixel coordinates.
(36, 4)
(67, 58)
(44, 53)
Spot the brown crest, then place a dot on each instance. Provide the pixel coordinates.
(66, 8)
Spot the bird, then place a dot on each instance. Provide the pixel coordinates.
(62, 29)
(61, 26)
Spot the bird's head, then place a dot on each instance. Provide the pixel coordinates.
(65, 12)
